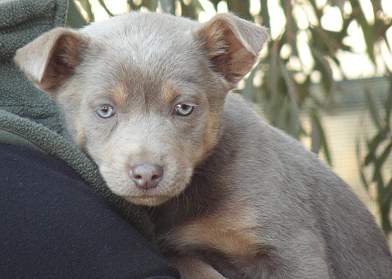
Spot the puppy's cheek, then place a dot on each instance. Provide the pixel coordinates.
(208, 138)
(178, 175)
(117, 182)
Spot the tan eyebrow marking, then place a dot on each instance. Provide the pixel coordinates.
(120, 95)
(168, 93)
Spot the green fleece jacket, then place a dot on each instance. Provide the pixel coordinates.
(29, 117)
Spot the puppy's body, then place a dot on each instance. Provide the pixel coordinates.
(273, 209)
(233, 197)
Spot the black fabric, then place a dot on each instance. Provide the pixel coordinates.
(54, 226)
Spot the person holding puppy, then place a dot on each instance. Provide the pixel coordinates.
(57, 218)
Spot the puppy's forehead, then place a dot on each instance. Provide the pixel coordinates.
(135, 22)
(144, 37)
(144, 54)
(157, 97)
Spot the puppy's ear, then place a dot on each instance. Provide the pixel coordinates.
(232, 45)
(51, 58)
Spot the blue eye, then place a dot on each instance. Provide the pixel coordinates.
(105, 111)
(184, 109)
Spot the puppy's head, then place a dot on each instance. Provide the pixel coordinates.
(142, 94)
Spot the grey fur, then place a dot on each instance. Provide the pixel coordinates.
(237, 194)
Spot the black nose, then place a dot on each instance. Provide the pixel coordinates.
(145, 175)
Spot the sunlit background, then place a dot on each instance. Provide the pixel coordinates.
(324, 78)
(354, 65)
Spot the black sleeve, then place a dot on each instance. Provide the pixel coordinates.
(52, 225)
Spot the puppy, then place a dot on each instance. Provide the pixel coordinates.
(147, 96)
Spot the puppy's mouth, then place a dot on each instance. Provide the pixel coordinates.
(148, 200)
(169, 187)
(159, 195)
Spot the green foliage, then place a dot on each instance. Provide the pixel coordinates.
(373, 164)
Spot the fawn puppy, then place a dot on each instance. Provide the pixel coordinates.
(147, 96)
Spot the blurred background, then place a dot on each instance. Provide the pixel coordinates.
(325, 78)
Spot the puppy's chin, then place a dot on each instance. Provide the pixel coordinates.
(153, 197)
(148, 200)
(157, 198)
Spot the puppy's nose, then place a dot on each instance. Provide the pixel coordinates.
(145, 175)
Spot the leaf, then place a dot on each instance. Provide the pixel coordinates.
(372, 147)
(293, 110)
(317, 11)
(385, 220)
(373, 109)
(315, 136)
(274, 72)
(168, 6)
(132, 5)
(367, 30)
(74, 18)
(325, 146)
(240, 8)
(384, 207)
(325, 69)
(264, 13)
(328, 42)
(323, 139)
(360, 166)
(388, 107)
(303, 90)
(291, 25)
(215, 3)
(339, 3)
(87, 8)
(192, 10)
(378, 179)
(281, 121)
(102, 3)
(363, 179)
(151, 4)
(387, 194)
(379, 162)
(273, 82)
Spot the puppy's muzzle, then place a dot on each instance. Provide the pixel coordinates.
(146, 175)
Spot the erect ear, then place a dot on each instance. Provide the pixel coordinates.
(232, 45)
(51, 58)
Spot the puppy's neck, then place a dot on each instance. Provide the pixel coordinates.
(205, 192)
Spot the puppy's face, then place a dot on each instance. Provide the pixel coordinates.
(142, 94)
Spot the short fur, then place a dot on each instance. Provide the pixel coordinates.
(238, 198)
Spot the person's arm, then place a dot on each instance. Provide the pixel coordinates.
(52, 225)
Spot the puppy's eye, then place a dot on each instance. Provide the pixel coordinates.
(105, 111)
(184, 109)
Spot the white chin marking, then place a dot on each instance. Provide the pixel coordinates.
(147, 200)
